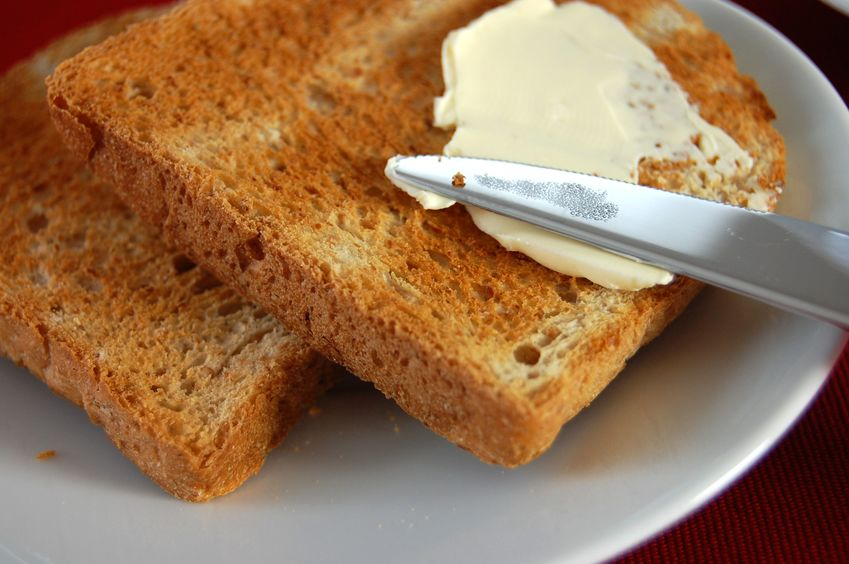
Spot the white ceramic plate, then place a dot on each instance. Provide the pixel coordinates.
(841, 5)
(362, 482)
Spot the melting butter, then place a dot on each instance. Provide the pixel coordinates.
(568, 87)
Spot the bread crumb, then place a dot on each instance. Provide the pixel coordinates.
(313, 411)
(458, 180)
(696, 140)
(45, 455)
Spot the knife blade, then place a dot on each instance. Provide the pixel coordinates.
(786, 262)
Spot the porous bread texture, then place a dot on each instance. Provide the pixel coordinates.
(254, 134)
(191, 382)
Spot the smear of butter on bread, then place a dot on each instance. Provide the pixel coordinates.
(569, 87)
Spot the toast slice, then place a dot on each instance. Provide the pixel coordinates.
(192, 383)
(255, 134)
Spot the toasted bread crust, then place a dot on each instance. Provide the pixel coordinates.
(93, 304)
(265, 165)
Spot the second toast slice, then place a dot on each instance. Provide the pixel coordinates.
(191, 382)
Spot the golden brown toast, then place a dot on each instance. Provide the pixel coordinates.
(191, 382)
(255, 134)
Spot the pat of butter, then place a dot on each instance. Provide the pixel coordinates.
(568, 87)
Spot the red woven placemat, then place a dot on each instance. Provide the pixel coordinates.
(794, 505)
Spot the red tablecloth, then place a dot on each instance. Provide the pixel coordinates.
(794, 505)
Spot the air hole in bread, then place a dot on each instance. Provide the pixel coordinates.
(60, 102)
(205, 283)
(156, 388)
(339, 180)
(144, 134)
(526, 354)
(237, 202)
(250, 251)
(139, 283)
(176, 428)
(456, 288)
(376, 360)
(238, 49)
(441, 259)
(375, 192)
(396, 216)
(548, 337)
(483, 293)
(90, 284)
(284, 270)
(431, 229)
(278, 166)
(567, 292)
(37, 222)
(402, 287)
(221, 435)
(342, 223)
(320, 100)
(77, 241)
(288, 137)
(188, 386)
(140, 87)
(229, 308)
(226, 180)
(183, 264)
(39, 278)
(171, 405)
(259, 210)
(197, 362)
(326, 271)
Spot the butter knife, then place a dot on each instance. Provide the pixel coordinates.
(786, 262)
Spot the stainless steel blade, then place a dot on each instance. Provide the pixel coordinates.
(792, 264)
